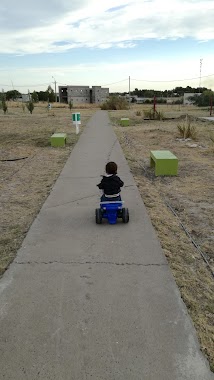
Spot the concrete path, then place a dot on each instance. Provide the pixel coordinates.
(85, 301)
(209, 118)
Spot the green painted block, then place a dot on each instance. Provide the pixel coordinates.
(58, 139)
(165, 162)
(124, 122)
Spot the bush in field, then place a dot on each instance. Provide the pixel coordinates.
(178, 101)
(202, 100)
(161, 101)
(115, 103)
(153, 115)
(187, 130)
(30, 107)
(4, 106)
(70, 105)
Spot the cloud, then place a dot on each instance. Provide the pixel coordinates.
(58, 26)
(32, 14)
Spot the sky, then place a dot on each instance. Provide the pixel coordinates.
(160, 44)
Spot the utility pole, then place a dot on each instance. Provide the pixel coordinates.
(129, 91)
(55, 89)
(154, 105)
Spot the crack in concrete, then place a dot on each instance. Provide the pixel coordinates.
(69, 202)
(111, 150)
(83, 177)
(88, 263)
(81, 199)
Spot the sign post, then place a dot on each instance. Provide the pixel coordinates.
(76, 120)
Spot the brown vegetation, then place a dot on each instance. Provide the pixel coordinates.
(191, 195)
(26, 182)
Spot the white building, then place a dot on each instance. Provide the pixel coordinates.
(188, 95)
(24, 98)
(83, 94)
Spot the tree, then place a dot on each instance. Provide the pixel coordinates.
(35, 97)
(13, 95)
(203, 100)
(30, 106)
(43, 96)
(51, 95)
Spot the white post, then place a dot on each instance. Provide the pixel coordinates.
(76, 121)
(77, 127)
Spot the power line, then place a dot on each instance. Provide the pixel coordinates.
(169, 81)
(110, 84)
(63, 84)
(26, 85)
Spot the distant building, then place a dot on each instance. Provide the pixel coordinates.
(188, 95)
(140, 100)
(24, 98)
(83, 94)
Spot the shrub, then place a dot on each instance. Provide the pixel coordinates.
(187, 130)
(161, 101)
(115, 103)
(138, 113)
(70, 105)
(30, 106)
(4, 106)
(178, 101)
(154, 115)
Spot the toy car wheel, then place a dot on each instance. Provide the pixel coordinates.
(125, 215)
(120, 213)
(98, 214)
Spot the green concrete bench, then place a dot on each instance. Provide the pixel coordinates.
(165, 162)
(124, 122)
(58, 139)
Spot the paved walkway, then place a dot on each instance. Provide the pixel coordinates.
(85, 301)
(209, 118)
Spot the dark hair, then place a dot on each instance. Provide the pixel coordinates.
(111, 168)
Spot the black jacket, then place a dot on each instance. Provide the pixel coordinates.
(111, 185)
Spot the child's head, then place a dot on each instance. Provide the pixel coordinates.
(111, 168)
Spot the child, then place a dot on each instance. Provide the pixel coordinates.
(111, 184)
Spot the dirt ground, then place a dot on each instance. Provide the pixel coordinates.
(191, 196)
(26, 182)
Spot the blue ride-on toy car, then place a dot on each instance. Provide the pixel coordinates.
(112, 211)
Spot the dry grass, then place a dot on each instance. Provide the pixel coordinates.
(191, 194)
(25, 184)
